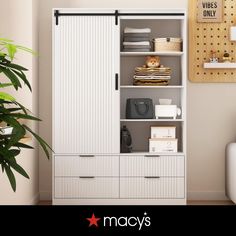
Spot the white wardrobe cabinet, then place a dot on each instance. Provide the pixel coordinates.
(92, 80)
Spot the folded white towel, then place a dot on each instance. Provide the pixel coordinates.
(134, 30)
(145, 43)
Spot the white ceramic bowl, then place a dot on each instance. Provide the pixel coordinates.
(7, 130)
(165, 101)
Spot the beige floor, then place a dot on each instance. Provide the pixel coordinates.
(190, 203)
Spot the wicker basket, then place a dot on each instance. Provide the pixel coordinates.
(168, 44)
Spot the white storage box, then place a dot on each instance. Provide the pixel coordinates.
(163, 145)
(168, 44)
(163, 132)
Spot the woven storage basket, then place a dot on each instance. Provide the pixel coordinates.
(167, 44)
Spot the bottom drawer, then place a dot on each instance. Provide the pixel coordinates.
(86, 188)
(152, 188)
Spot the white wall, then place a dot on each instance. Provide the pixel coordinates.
(19, 21)
(211, 112)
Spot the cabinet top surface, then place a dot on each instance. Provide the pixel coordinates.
(121, 10)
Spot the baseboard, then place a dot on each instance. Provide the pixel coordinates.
(207, 196)
(45, 196)
(34, 200)
(192, 196)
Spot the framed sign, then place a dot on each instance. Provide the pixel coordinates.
(210, 11)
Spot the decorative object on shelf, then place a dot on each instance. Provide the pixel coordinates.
(152, 73)
(165, 101)
(163, 140)
(136, 40)
(210, 11)
(205, 36)
(213, 58)
(167, 44)
(167, 111)
(163, 145)
(153, 62)
(139, 108)
(163, 132)
(227, 58)
(125, 140)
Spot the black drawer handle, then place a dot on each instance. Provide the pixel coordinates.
(152, 177)
(156, 156)
(87, 156)
(87, 177)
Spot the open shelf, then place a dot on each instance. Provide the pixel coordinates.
(150, 87)
(141, 133)
(164, 53)
(220, 65)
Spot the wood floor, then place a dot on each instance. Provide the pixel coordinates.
(190, 203)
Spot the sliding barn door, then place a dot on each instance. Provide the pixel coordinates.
(86, 96)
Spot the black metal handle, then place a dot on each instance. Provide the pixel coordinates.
(152, 177)
(117, 81)
(156, 156)
(87, 156)
(87, 177)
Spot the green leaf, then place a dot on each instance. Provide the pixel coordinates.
(15, 66)
(18, 130)
(5, 85)
(42, 143)
(14, 152)
(26, 49)
(11, 48)
(6, 40)
(6, 96)
(10, 75)
(23, 77)
(23, 116)
(11, 177)
(22, 145)
(12, 109)
(24, 109)
(19, 169)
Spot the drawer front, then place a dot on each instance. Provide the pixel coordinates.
(158, 166)
(93, 188)
(83, 166)
(150, 188)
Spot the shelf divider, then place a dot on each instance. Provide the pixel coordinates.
(164, 53)
(151, 120)
(151, 87)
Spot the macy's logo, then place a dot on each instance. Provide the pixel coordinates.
(122, 221)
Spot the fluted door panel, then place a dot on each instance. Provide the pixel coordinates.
(152, 188)
(86, 118)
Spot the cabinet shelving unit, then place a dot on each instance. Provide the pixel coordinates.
(175, 26)
(89, 106)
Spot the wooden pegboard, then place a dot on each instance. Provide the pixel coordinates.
(204, 37)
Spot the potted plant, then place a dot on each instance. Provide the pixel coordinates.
(12, 130)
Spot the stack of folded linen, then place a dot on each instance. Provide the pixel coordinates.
(152, 76)
(136, 40)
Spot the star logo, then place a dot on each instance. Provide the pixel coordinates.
(93, 220)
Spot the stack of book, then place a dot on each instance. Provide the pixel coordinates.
(136, 40)
(152, 76)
